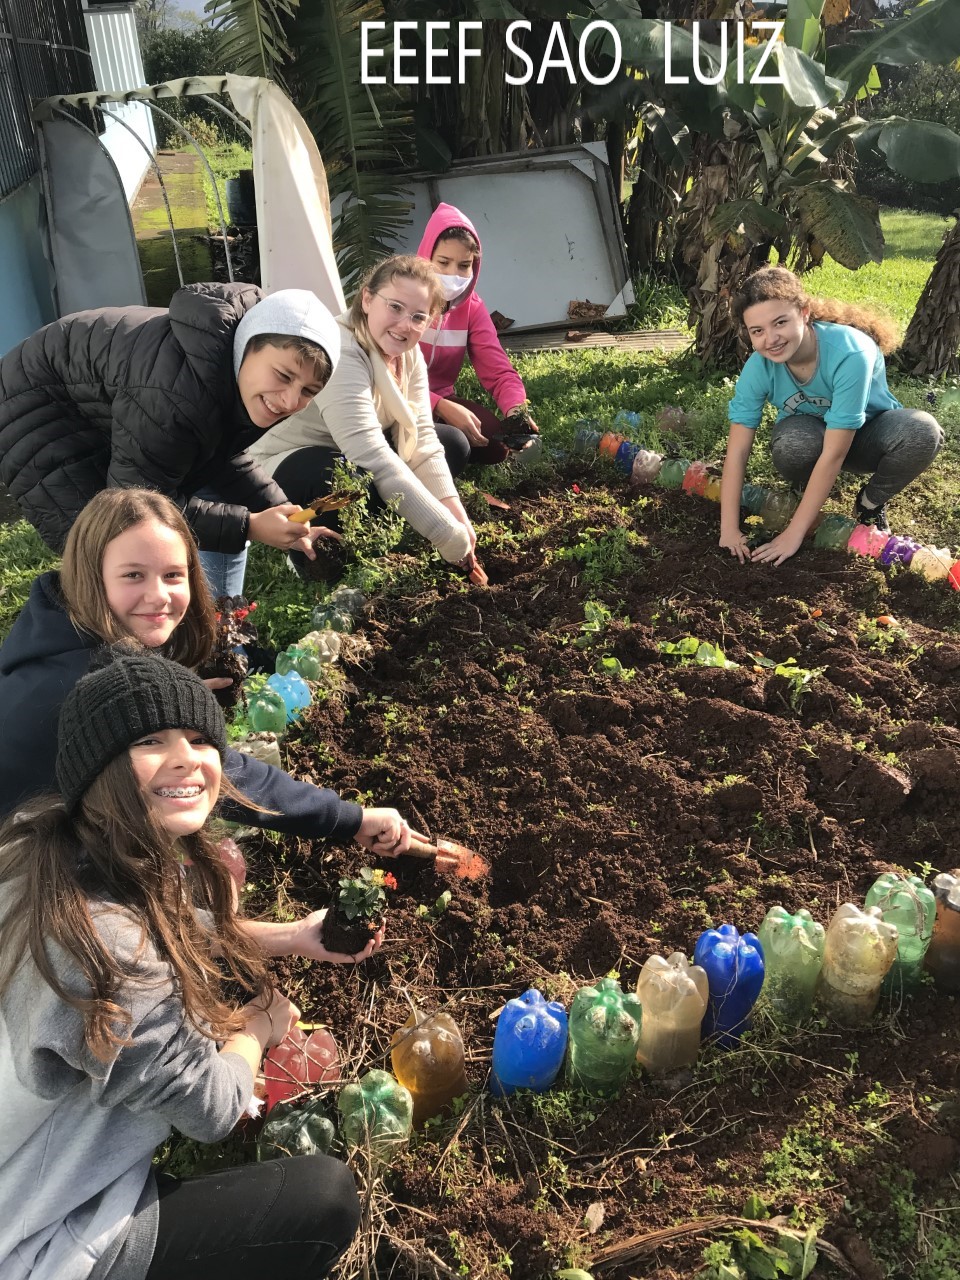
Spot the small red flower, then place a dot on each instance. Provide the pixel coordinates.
(575, 489)
(389, 881)
(253, 606)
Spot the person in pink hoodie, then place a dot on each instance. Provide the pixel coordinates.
(450, 242)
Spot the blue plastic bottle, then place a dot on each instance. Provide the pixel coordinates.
(529, 1044)
(294, 691)
(734, 966)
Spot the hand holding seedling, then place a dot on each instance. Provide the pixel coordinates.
(275, 528)
(309, 942)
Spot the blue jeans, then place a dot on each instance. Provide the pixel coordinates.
(223, 570)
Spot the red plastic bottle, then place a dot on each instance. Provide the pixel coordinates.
(299, 1061)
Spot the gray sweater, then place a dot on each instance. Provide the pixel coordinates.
(77, 1198)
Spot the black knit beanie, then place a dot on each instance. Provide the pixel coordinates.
(125, 696)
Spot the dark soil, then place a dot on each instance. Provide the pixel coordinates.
(349, 937)
(622, 817)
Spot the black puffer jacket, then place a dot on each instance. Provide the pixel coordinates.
(134, 397)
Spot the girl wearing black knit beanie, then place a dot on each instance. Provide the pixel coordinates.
(114, 1025)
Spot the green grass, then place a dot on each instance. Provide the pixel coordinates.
(226, 161)
(912, 241)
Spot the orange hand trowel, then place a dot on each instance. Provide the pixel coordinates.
(319, 506)
(449, 856)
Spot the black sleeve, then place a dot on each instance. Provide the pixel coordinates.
(298, 808)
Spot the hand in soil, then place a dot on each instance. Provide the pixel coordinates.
(778, 549)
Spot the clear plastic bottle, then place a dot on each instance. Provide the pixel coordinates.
(933, 562)
(529, 1044)
(376, 1113)
(673, 994)
(646, 467)
(860, 948)
(604, 1034)
(906, 902)
(777, 510)
(943, 954)
(427, 1057)
(792, 958)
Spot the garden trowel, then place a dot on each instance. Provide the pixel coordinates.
(449, 856)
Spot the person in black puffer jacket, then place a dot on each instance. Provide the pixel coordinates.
(165, 400)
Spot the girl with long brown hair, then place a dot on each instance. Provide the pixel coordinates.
(375, 411)
(820, 362)
(116, 927)
(131, 570)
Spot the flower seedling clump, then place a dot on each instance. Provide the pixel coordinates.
(357, 910)
(234, 629)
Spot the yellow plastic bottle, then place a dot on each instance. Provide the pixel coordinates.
(427, 1057)
(859, 949)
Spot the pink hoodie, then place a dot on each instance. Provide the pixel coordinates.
(465, 329)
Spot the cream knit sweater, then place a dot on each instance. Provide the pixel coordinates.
(353, 413)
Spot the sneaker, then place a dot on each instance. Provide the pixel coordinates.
(877, 516)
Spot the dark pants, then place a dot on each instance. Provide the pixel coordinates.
(892, 448)
(308, 474)
(492, 427)
(291, 1218)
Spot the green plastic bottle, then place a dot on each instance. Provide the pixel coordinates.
(777, 510)
(793, 957)
(303, 659)
(267, 712)
(912, 907)
(604, 1037)
(672, 472)
(834, 531)
(376, 1113)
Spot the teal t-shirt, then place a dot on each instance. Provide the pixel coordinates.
(848, 387)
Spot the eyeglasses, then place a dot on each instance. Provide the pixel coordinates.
(419, 319)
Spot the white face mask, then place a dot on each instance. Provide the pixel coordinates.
(453, 286)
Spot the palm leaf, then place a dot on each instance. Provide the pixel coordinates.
(366, 141)
(253, 39)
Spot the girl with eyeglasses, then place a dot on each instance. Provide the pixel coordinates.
(376, 412)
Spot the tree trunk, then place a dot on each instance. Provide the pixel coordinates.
(932, 344)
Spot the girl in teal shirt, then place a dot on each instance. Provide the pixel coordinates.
(821, 363)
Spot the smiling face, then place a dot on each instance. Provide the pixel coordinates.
(178, 771)
(389, 314)
(452, 258)
(146, 582)
(274, 383)
(779, 330)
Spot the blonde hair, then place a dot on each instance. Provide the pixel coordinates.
(107, 515)
(402, 266)
(777, 284)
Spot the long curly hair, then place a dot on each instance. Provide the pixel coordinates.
(65, 875)
(777, 284)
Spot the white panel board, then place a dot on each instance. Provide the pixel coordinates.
(549, 226)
